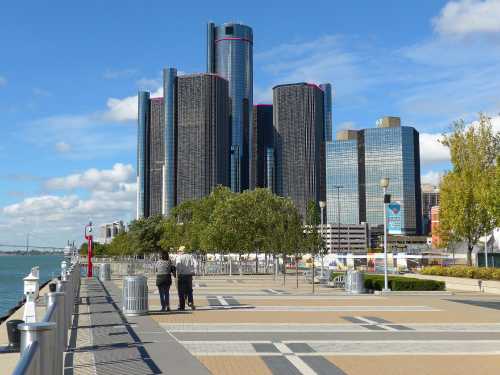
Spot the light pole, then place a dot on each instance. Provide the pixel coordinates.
(338, 187)
(88, 237)
(384, 183)
(322, 205)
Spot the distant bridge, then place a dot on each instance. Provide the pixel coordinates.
(31, 247)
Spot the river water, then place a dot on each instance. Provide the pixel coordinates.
(13, 268)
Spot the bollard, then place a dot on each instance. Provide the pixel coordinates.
(44, 334)
(62, 286)
(135, 295)
(57, 298)
(104, 272)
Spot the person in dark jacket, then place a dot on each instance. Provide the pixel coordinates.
(164, 271)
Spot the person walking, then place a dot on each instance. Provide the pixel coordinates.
(186, 266)
(164, 271)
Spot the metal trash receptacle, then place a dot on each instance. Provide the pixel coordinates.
(104, 271)
(355, 282)
(135, 295)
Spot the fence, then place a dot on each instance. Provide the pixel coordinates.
(43, 343)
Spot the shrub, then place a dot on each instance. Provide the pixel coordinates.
(463, 271)
(399, 283)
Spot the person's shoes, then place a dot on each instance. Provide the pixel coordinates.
(168, 308)
(180, 309)
(193, 307)
(162, 309)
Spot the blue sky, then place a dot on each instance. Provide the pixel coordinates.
(69, 73)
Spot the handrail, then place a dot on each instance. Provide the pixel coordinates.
(28, 363)
(43, 343)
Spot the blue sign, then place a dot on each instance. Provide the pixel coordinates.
(394, 218)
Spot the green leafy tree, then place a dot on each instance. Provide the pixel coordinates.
(469, 192)
(145, 235)
(120, 245)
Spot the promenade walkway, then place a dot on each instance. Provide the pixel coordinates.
(249, 325)
(104, 341)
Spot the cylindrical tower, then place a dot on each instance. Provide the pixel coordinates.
(169, 95)
(230, 55)
(143, 155)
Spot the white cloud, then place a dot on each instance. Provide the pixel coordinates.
(3, 81)
(431, 177)
(125, 109)
(93, 179)
(52, 219)
(62, 147)
(464, 17)
(431, 151)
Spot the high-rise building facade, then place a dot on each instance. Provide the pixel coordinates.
(183, 141)
(345, 174)
(156, 156)
(298, 118)
(393, 152)
(327, 104)
(430, 198)
(357, 161)
(262, 172)
(230, 55)
(203, 142)
(142, 169)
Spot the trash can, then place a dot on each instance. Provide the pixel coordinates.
(105, 272)
(355, 282)
(14, 334)
(135, 295)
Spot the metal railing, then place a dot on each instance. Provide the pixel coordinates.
(43, 343)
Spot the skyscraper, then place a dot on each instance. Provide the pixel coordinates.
(203, 141)
(262, 172)
(143, 154)
(327, 104)
(393, 152)
(345, 175)
(156, 156)
(183, 141)
(362, 158)
(230, 55)
(298, 117)
(430, 198)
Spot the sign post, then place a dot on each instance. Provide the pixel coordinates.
(88, 237)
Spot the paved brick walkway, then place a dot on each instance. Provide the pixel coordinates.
(104, 341)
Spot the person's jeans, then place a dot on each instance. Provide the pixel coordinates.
(163, 283)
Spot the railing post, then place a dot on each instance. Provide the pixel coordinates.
(57, 299)
(44, 334)
(62, 286)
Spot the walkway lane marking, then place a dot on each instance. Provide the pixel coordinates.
(301, 365)
(283, 348)
(222, 301)
(374, 323)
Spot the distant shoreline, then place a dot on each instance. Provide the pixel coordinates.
(29, 253)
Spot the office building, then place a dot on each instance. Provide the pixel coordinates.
(345, 174)
(436, 233)
(327, 105)
(203, 141)
(262, 172)
(354, 238)
(183, 148)
(356, 162)
(109, 231)
(430, 198)
(298, 118)
(142, 169)
(230, 55)
(392, 151)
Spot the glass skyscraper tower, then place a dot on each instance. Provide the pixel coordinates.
(357, 161)
(230, 55)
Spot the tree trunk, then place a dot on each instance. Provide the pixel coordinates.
(257, 262)
(469, 253)
(297, 269)
(284, 269)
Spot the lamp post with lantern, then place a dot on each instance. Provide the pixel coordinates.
(89, 237)
(384, 183)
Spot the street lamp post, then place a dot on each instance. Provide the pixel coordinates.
(338, 187)
(384, 183)
(88, 237)
(322, 205)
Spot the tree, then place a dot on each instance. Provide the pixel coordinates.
(469, 192)
(145, 235)
(120, 245)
